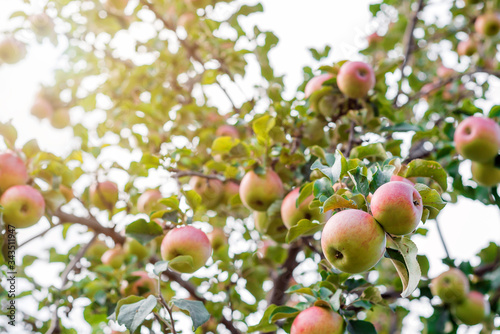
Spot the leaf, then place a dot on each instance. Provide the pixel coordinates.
(303, 227)
(371, 150)
(322, 189)
(360, 180)
(133, 315)
(373, 295)
(223, 145)
(403, 254)
(196, 309)
(143, 231)
(304, 193)
(125, 301)
(494, 111)
(426, 168)
(264, 325)
(160, 267)
(193, 199)
(402, 127)
(262, 126)
(360, 326)
(431, 200)
(338, 202)
(339, 168)
(325, 170)
(283, 312)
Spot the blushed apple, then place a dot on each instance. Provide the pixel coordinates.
(397, 207)
(452, 286)
(60, 118)
(445, 72)
(189, 241)
(402, 179)
(113, 257)
(355, 79)
(318, 320)
(210, 190)
(11, 50)
(41, 24)
(23, 206)
(258, 192)
(104, 195)
(353, 241)
(485, 174)
(316, 83)
(231, 189)
(477, 139)
(227, 130)
(291, 214)
(472, 310)
(42, 108)
(488, 24)
(148, 201)
(467, 47)
(217, 238)
(134, 247)
(13, 172)
(270, 226)
(143, 286)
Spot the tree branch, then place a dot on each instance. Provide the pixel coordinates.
(281, 281)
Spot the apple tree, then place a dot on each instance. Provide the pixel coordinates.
(204, 206)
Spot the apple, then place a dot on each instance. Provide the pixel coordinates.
(227, 130)
(104, 195)
(217, 238)
(189, 241)
(60, 118)
(488, 24)
(23, 206)
(231, 189)
(258, 192)
(316, 83)
(118, 5)
(134, 247)
(318, 320)
(402, 179)
(113, 257)
(444, 72)
(271, 226)
(96, 250)
(148, 201)
(13, 172)
(485, 174)
(477, 139)
(11, 50)
(144, 286)
(42, 108)
(186, 20)
(472, 310)
(452, 286)
(355, 79)
(353, 241)
(210, 190)
(467, 47)
(374, 39)
(291, 214)
(398, 207)
(41, 24)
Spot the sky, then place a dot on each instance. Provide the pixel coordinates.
(467, 226)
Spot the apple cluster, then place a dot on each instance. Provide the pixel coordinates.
(46, 108)
(452, 287)
(478, 139)
(486, 25)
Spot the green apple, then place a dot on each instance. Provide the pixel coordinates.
(60, 118)
(117, 5)
(488, 24)
(472, 310)
(451, 286)
(13, 171)
(292, 214)
(148, 201)
(258, 192)
(353, 241)
(355, 79)
(188, 241)
(210, 190)
(113, 257)
(134, 247)
(477, 139)
(271, 226)
(318, 320)
(23, 206)
(217, 238)
(398, 207)
(42, 25)
(104, 195)
(42, 108)
(231, 189)
(11, 50)
(485, 174)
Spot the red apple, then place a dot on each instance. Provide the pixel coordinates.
(189, 241)
(104, 195)
(148, 201)
(398, 207)
(231, 189)
(291, 214)
(227, 130)
(488, 24)
(402, 179)
(11, 50)
(23, 206)
(318, 320)
(210, 190)
(42, 108)
(355, 79)
(12, 171)
(316, 83)
(478, 139)
(258, 192)
(467, 47)
(374, 39)
(353, 241)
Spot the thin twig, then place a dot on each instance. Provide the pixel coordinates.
(442, 239)
(41, 234)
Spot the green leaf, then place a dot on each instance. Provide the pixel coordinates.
(193, 199)
(403, 254)
(360, 180)
(283, 312)
(322, 189)
(160, 267)
(494, 111)
(372, 150)
(124, 301)
(304, 193)
(143, 231)
(303, 227)
(402, 127)
(262, 126)
(431, 200)
(196, 309)
(339, 168)
(360, 326)
(264, 325)
(325, 170)
(133, 315)
(150, 161)
(223, 145)
(338, 202)
(426, 168)
(373, 295)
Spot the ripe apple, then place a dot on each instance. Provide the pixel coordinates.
(42, 108)
(477, 139)
(23, 206)
(13, 172)
(210, 190)
(374, 39)
(467, 47)
(113, 257)
(485, 174)
(258, 192)
(402, 179)
(291, 214)
(186, 240)
(271, 226)
(398, 207)
(217, 238)
(472, 310)
(488, 24)
(316, 83)
(228, 131)
(134, 247)
(318, 320)
(60, 118)
(452, 286)
(41, 24)
(104, 195)
(144, 286)
(353, 241)
(231, 189)
(11, 50)
(148, 201)
(355, 79)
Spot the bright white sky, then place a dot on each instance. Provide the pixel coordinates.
(467, 226)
